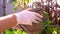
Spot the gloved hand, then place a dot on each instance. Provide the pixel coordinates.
(30, 21)
(27, 17)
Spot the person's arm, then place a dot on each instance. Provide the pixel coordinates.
(7, 22)
(25, 17)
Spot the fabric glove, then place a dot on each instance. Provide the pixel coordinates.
(27, 17)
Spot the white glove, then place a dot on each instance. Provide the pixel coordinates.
(27, 17)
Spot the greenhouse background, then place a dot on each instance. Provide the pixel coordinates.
(7, 7)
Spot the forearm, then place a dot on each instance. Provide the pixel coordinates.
(7, 22)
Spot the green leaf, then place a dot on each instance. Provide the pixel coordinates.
(27, 1)
(15, 8)
(14, 3)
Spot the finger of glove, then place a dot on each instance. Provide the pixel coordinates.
(38, 15)
(37, 18)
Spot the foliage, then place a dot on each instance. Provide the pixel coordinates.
(47, 27)
(15, 31)
(20, 3)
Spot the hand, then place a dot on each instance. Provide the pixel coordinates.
(30, 21)
(27, 17)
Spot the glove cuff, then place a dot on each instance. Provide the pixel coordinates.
(18, 18)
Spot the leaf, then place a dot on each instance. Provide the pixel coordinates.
(14, 3)
(15, 8)
(54, 32)
(27, 1)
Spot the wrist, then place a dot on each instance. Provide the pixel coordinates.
(18, 19)
(14, 19)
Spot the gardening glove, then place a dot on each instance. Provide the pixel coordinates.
(36, 23)
(27, 17)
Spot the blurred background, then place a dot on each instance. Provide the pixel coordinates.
(12, 6)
